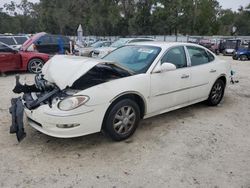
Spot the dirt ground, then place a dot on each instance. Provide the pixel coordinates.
(197, 146)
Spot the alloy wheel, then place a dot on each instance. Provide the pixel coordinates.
(217, 92)
(36, 65)
(124, 120)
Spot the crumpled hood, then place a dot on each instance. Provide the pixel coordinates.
(64, 70)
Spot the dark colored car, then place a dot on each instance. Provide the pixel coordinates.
(230, 46)
(14, 60)
(47, 43)
(242, 54)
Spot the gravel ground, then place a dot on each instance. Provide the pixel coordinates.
(197, 146)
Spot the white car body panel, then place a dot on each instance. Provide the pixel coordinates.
(64, 70)
(161, 92)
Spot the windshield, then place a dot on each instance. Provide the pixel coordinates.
(231, 44)
(7, 40)
(119, 43)
(135, 58)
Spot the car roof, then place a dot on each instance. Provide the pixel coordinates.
(163, 44)
(131, 38)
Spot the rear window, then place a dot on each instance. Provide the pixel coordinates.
(45, 39)
(56, 38)
(20, 40)
(8, 41)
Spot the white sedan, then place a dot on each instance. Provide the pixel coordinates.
(76, 96)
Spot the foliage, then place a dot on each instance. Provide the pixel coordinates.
(123, 17)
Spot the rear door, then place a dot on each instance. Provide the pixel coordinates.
(203, 72)
(9, 59)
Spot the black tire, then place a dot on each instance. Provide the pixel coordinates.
(35, 65)
(243, 58)
(216, 93)
(119, 123)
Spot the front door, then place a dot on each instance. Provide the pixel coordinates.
(170, 89)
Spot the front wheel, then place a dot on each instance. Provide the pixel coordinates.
(217, 93)
(243, 58)
(122, 119)
(35, 65)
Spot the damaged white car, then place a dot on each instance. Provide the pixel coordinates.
(76, 96)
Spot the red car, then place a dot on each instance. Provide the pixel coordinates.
(13, 60)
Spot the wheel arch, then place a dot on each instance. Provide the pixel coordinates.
(135, 96)
(223, 78)
(35, 57)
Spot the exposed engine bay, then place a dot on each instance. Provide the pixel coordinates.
(43, 92)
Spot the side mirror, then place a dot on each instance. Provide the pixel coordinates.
(165, 67)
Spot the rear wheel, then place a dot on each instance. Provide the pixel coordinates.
(35, 65)
(122, 119)
(243, 58)
(217, 93)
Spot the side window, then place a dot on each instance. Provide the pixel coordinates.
(4, 48)
(210, 56)
(44, 40)
(7, 40)
(198, 55)
(20, 40)
(54, 39)
(176, 56)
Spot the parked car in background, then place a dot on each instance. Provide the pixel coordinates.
(210, 44)
(13, 60)
(87, 51)
(230, 46)
(101, 52)
(14, 41)
(243, 53)
(83, 95)
(47, 43)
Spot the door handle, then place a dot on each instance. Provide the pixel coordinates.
(184, 76)
(212, 70)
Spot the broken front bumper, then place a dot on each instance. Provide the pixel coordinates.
(53, 122)
(16, 110)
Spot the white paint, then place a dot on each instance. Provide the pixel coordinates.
(161, 92)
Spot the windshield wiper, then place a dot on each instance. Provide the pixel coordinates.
(116, 68)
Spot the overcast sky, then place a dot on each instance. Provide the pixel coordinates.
(233, 4)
